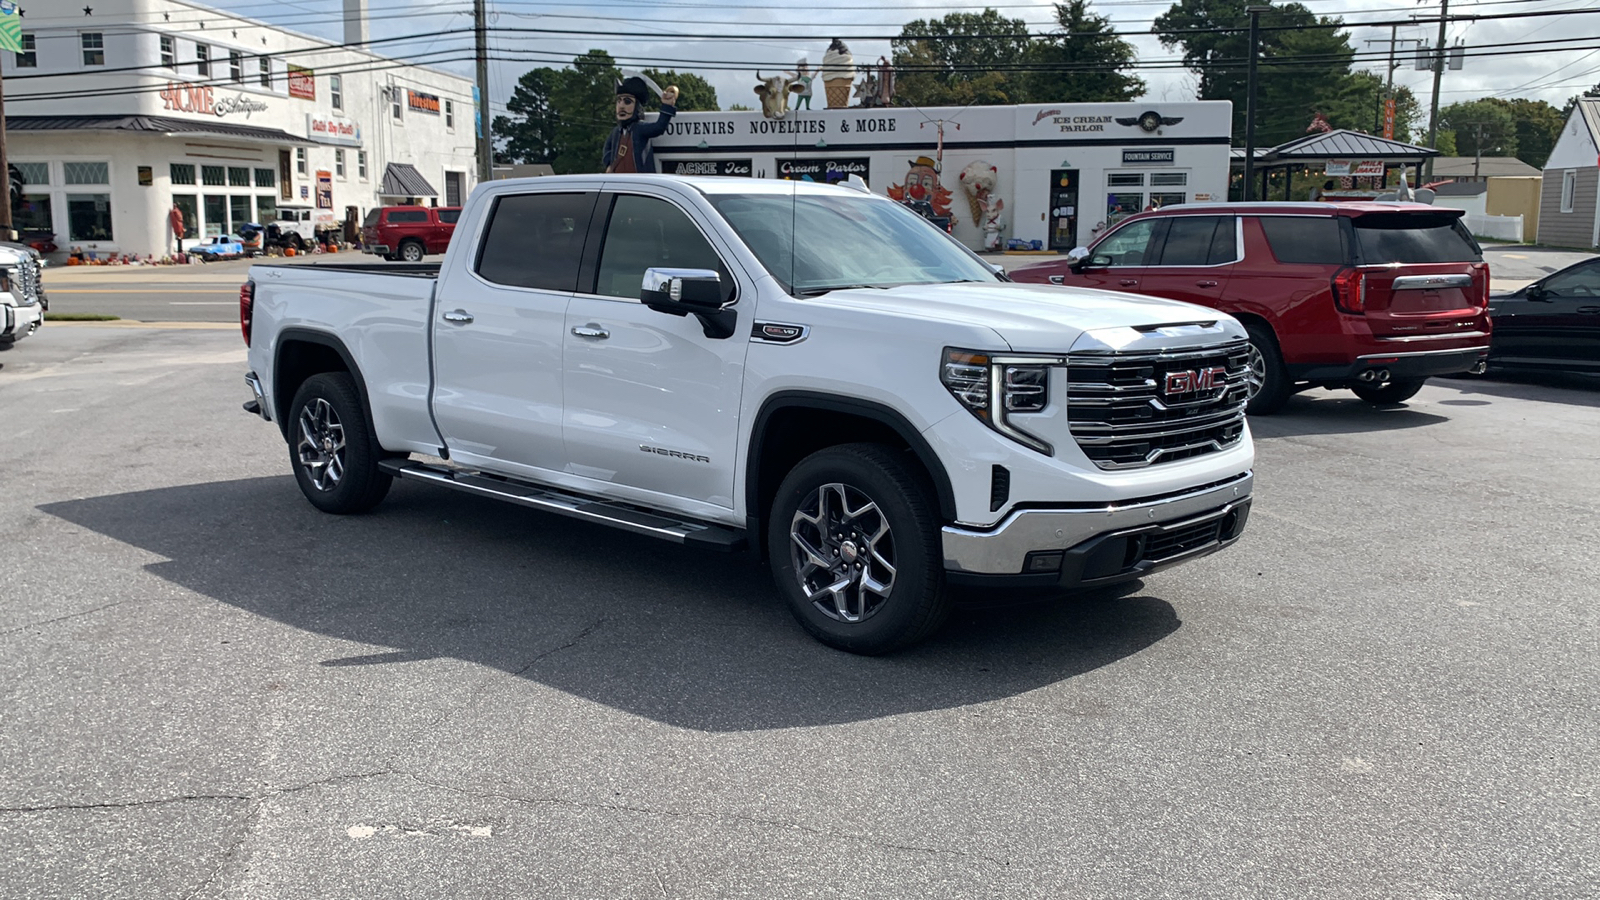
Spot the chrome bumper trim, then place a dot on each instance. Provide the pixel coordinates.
(254, 383)
(1430, 337)
(1001, 550)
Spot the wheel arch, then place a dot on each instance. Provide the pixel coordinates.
(300, 353)
(779, 438)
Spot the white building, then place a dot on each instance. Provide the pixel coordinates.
(114, 117)
(1060, 168)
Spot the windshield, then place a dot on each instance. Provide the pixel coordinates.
(816, 243)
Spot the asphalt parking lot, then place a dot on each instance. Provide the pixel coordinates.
(208, 689)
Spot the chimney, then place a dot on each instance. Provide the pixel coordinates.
(355, 21)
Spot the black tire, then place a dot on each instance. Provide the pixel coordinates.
(1268, 378)
(412, 251)
(1391, 393)
(335, 459)
(916, 602)
(297, 242)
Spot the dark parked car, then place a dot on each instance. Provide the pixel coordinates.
(1374, 297)
(1553, 323)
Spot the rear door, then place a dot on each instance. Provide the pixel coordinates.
(498, 333)
(1554, 323)
(1423, 274)
(1196, 260)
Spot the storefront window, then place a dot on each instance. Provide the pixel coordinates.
(1125, 179)
(1163, 200)
(266, 210)
(1120, 206)
(238, 176)
(34, 214)
(87, 172)
(213, 176)
(191, 215)
(182, 173)
(239, 207)
(89, 217)
(266, 178)
(1169, 179)
(216, 215)
(34, 173)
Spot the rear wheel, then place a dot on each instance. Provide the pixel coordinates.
(1390, 393)
(854, 546)
(1269, 384)
(335, 460)
(411, 252)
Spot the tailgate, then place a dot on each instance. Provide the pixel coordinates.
(1421, 272)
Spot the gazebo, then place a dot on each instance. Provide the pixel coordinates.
(1340, 153)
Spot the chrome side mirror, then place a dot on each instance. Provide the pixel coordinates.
(679, 292)
(1077, 255)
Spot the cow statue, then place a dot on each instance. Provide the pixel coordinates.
(774, 93)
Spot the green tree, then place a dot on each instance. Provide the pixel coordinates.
(562, 116)
(1094, 62)
(694, 93)
(527, 135)
(1473, 120)
(1358, 106)
(939, 62)
(1538, 126)
(1299, 69)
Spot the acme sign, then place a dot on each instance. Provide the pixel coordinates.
(193, 98)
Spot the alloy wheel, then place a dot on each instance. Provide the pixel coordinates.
(843, 553)
(321, 446)
(1257, 375)
(411, 253)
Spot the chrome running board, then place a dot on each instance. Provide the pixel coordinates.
(576, 506)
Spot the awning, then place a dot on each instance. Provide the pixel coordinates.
(403, 180)
(155, 125)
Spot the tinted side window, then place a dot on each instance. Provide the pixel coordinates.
(1578, 281)
(1189, 240)
(398, 216)
(1127, 246)
(535, 240)
(1225, 243)
(1414, 238)
(449, 216)
(1305, 240)
(645, 232)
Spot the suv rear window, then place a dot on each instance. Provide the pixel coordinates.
(1305, 240)
(449, 216)
(397, 216)
(1414, 238)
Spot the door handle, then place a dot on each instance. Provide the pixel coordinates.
(1589, 310)
(458, 316)
(1205, 284)
(1058, 279)
(1128, 282)
(590, 330)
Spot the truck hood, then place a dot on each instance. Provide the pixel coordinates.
(1032, 317)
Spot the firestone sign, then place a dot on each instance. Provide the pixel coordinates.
(194, 98)
(420, 102)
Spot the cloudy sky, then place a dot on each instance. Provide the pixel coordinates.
(774, 33)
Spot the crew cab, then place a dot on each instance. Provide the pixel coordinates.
(1374, 297)
(808, 372)
(408, 232)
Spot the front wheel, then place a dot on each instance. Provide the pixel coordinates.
(854, 546)
(1390, 393)
(335, 459)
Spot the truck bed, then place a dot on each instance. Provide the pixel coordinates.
(412, 270)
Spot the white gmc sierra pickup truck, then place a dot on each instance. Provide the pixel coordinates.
(811, 373)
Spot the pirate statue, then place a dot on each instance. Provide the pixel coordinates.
(628, 147)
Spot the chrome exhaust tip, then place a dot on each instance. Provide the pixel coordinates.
(1383, 376)
(1368, 375)
(1479, 367)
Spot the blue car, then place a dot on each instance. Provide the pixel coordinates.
(224, 246)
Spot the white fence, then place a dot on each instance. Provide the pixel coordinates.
(1504, 228)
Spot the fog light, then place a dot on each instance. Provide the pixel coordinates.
(1041, 561)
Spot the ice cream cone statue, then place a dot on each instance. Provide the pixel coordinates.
(838, 74)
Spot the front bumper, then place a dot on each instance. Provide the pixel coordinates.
(17, 322)
(1099, 545)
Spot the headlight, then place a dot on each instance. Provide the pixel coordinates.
(993, 386)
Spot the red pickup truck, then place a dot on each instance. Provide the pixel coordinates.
(1374, 297)
(408, 232)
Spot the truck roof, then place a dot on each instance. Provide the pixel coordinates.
(706, 184)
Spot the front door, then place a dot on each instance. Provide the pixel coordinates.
(498, 342)
(1120, 261)
(1063, 212)
(452, 189)
(652, 403)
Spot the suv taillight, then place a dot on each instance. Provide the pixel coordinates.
(1482, 274)
(247, 303)
(1350, 291)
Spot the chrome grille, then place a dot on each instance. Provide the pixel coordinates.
(24, 277)
(1123, 416)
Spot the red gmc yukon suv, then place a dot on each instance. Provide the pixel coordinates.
(1374, 297)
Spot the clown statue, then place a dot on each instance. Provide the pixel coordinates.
(628, 147)
(922, 190)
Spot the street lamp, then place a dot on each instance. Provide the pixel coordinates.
(1255, 11)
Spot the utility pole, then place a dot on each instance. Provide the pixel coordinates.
(1477, 156)
(485, 141)
(1438, 75)
(1255, 12)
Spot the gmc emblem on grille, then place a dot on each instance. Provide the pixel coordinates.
(1191, 380)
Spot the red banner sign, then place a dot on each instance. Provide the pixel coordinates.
(302, 83)
(1388, 118)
